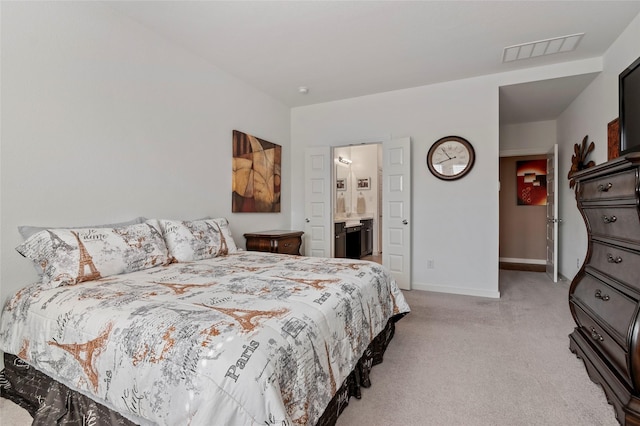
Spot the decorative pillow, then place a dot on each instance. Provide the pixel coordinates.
(197, 239)
(27, 231)
(71, 256)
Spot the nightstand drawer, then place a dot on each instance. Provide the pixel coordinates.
(618, 263)
(288, 246)
(603, 342)
(283, 242)
(620, 185)
(614, 222)
(613, 307)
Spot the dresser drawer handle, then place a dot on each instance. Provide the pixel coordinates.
(595, 335)
(609, 219)
(601, 296)
(605, 188)
(287, 244)
(612, 259)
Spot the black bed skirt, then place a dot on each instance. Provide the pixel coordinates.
(50, 402)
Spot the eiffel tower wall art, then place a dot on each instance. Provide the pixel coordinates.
(256, 174)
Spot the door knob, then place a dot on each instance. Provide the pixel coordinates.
(404, 222)
(307, 220)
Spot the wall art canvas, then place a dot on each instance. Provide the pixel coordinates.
(613, 139)
(256, 180)
(531, 182)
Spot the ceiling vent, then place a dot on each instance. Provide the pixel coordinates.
(541, 48)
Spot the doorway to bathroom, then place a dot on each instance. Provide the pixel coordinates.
(357, 192)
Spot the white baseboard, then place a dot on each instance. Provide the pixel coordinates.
(527, 261)
(455, 290)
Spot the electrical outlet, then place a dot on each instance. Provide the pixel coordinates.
(578, 263)
(430, 264)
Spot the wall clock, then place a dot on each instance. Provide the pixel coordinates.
(450, 158)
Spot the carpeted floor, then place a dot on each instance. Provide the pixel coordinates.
(462, 360)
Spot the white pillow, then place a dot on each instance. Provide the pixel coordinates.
(71, 256)
(198, 239)
(27, 231)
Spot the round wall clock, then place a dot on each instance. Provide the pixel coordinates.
(450, 158)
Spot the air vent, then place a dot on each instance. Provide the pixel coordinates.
(534, 49)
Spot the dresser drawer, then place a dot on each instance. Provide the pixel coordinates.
(613, 307)
(603, 342)
(619, 222)
(620, 185)
(620, 264)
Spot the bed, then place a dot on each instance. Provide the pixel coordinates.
(167, 322)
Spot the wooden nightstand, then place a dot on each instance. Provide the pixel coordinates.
(284, 242)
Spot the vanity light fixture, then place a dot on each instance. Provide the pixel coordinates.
(344, 160)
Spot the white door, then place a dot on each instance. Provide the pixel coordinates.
(317, 229)
(396, 227)
(552, 214)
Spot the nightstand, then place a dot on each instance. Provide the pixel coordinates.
(279, 241)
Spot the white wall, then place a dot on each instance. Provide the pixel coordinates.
(103, 120)
(454, 223)
(446, 215)
(588, 115)
(364, 164)
(527, 138)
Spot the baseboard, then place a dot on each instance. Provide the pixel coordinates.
(525, 261)
(455, 290)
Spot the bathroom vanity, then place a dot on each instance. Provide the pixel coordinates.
(353, 237)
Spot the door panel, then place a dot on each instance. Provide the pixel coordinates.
(318, 230)
(396, 252)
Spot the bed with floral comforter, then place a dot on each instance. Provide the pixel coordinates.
(246, 338)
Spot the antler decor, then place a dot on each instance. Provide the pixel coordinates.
(579, 159)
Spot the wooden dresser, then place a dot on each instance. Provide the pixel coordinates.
(604, 296)
(284, 242)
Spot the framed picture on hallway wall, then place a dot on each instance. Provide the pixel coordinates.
(531, 182)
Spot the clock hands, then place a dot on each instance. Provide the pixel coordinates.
(445, 153)
(446, 159)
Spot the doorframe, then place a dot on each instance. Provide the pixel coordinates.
(520, 153)
(378, 141)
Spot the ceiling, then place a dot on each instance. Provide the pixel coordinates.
(345, 49)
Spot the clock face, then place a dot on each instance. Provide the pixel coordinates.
(450, 158)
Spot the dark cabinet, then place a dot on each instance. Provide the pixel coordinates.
(366, 237)
(353, 242)
(340, 248)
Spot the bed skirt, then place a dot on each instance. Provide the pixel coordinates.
(50, 402)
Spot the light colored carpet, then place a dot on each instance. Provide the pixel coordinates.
(461, 360)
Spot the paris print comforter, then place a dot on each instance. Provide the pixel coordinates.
(248, 338)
